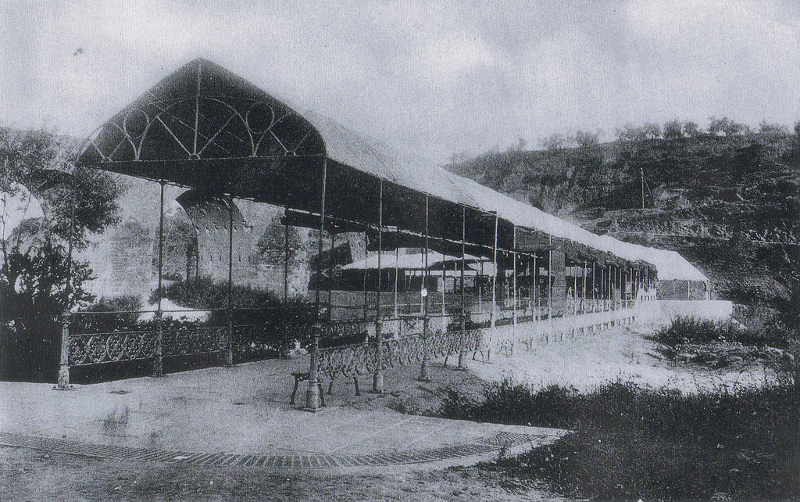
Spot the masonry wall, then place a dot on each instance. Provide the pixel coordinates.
(681, 290)
(559, 282)
(124, 258)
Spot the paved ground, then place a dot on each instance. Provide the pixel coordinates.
(242, 416)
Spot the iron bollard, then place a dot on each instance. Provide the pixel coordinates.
(377, 378)
(63, 370)
(312, 394)
(158, 363)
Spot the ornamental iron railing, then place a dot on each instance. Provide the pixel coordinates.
(362, 359)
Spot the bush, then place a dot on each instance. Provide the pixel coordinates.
(504, 402)
(691, 330)
(109, 314)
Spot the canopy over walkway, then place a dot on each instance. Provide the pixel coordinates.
(204, 127)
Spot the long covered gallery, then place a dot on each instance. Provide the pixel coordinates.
(448, 265)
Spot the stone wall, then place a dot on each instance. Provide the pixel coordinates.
(682, 290)
(124, 257)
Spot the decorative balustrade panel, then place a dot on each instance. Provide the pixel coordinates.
(100, 348)
(447, 344)
(188, 341)
(119, 346)
(347, 360)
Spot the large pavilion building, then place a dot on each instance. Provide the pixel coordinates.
(221, 148)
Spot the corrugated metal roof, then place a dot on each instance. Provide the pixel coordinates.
(202, 123)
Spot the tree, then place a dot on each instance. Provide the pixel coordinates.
(632, 134)
(725, 126)
(651, 130)
(554, 142)
(586, 139)
(772, 129)
(672, 130)
(37, 279)
(691, 129)
(272, 244)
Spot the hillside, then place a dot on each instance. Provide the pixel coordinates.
(729, 203)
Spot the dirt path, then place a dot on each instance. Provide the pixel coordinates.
(621, 353)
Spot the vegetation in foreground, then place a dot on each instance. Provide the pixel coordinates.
(631, 442)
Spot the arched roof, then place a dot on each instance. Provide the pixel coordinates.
(208, 129)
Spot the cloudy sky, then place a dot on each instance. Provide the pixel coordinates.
(435, 77)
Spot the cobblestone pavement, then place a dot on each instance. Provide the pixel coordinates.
(481, 447)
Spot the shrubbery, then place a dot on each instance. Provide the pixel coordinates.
(631, 442)
(689, 330)
(251, 306)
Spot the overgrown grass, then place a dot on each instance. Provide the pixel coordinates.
(631, 442)
(690, 330)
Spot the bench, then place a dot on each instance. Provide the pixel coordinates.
(324, 343)
(302, 376)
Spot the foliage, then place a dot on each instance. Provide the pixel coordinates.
(629, 442)
(504, 402)
(684, 330)
(109, 315)
(673, 130)
(75, 203)
(37, 280)
(251, 306)
(688, 330)
(273, 243)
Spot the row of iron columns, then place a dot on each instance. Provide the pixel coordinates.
(312, 394)
(312, 398)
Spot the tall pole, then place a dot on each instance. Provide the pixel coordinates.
(550, 280)
(423, 370)
(330, 276)
(530, 288)
(594, 287)
(396, 259)
(463, 266)
(583, 303)
(285, 326)
(480, 289)
(377, 379)
(641, 171)
(574, 288)
(63, 370)
(366, 262)
(514, 280)
(444, 281)
(158, 365)
(312, 394)
(461, 351)
(229, 351)
(534, 288)
(493, 318)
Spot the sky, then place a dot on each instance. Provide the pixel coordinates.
(431, 78)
